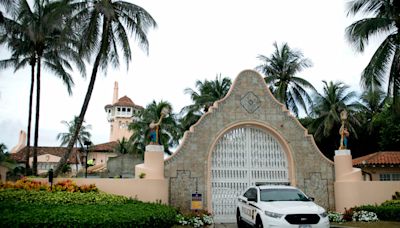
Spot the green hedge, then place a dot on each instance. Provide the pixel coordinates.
(44, 197)
(384, 212)
(33, 210)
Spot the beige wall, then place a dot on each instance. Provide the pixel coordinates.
(145, 190)
(119, 129)
(101, 158)
(356, 193)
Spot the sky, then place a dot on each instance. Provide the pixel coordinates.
(194, 40)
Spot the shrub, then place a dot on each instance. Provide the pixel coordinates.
(335, 217)
(48, 209)
(132, 214)
(364, 216)
(66, 185)
(348, 214)
(195, 218)
(62, 198)
(388, 213)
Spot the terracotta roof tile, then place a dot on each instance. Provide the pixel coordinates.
(57, 151)
(379, 158)
(124, 101)
(104, 147)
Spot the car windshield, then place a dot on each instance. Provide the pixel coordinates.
(268, 195)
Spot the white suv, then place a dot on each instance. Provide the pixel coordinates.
(279, 206)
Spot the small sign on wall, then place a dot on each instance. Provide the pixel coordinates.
(197, 201)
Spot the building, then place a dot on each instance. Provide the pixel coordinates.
(120, 114)
(380, 166)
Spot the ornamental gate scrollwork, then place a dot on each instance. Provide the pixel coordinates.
(242, 157)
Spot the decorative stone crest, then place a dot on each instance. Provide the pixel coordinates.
(250, 102)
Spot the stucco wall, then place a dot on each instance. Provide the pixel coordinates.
(349, 194)
(3, 173)
(142, 189)
(188, 169)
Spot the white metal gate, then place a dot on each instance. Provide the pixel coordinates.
(243, 157)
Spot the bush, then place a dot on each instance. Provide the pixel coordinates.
(24, 208)
(335, 217)
(384, 212)
(364, 216)
(66, 185)
(44, 197)
(133, 214)
(195, 219)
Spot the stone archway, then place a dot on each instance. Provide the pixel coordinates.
(243, 156)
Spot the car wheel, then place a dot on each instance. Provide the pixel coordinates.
(239, 220)
(259, 222)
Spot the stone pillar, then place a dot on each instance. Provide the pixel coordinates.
(345, 174)
(153, 166)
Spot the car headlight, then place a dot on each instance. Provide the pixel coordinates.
(273, 214)
(324, 214)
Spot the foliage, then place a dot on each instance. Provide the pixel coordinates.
(169, 131)
(83, 135)
(195, 219)
(348, 214)
(142, 175)
(280, 70)
(352, 215)
(381, 18)
(388, 124)
(66, 185)
(395, 202)
(124, 146)
(335, 217)
(98, 214)
(384, 212)
(207, 93)
(396, 196)
(104, 28)
(365, 216)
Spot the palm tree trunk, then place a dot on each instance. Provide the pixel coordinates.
(28, 143)
(35, 145)
(81, 117)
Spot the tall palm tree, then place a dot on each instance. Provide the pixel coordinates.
(372, 103)
(84, 134)
(383, 19)
(327, 107)
(207, 93)
(39, 37)
(169, 130)
(280, 70)
(104, 26)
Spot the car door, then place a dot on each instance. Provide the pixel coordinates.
(248, 207)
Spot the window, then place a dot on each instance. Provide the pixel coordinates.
(251, 194)
(129, 109)
(123, 109)
(118, 109)
(389, 177)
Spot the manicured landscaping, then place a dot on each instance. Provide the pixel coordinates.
(33, 204)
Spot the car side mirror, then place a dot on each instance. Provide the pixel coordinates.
(312, 198)
(254, 199)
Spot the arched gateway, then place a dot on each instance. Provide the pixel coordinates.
(246, 137)
(244, 156)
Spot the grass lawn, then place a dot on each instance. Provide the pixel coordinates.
(380, 224)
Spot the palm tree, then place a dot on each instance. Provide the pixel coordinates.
(280, 71)
(124, 146)
(372, 103)
(103, 26)
(84, 134)
(37, 37)
(169, 130)
(208, 92)
(384, 66)
(327, 108)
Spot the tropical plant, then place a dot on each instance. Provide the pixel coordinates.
(38, 36)
(325, 120)
(169, 131)
(84, 134)
(124, 146)
(280, 70)
(383, 19)
(207, 93)
(103, 27)
(3, 151)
